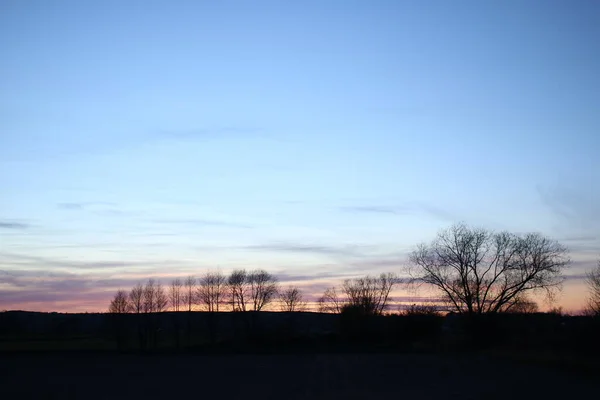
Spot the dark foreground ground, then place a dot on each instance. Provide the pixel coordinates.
(292, 376)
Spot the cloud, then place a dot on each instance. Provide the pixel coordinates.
(299, 277)
(414, 207)
(209, 133)
(203, 222)
(576, 208)
(84, 205)
(46, 262)
(8, 224)
(60, 290)
(102, 208)
(70, 206)
(336, 251)
(575, 277)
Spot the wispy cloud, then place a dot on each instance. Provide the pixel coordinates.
(209, 133)
(577, 208)
(327, 275)
(8, 224)
(85, 205)
(202, 222)
(414, 207)
(575, 277)
(341, 251)
(45, 262)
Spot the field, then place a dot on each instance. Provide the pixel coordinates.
(292, 376)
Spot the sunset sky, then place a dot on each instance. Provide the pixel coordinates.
(316, 139)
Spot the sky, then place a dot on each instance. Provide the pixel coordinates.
(318, 140)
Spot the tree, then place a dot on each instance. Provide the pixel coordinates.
(523, 305)
(369, 294)
(154, 297)
(211, 290)
(421, 309)
(120, 303)
(238, 289)
(161, 299)
(330, 302)
(136, 298)
(263, 288)
(149, 296)
(292, 300)
(478, 271)
(593, 281)
(175, 294)
(189, 292)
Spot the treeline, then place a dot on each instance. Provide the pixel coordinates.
(252, 291)
(472, 271)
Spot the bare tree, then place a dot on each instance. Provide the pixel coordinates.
(523, 305)
(149, 296)
(120, 303)
(136, 298)
(175, 294)
(189, 292)
(593, 281)
(292, 300)
(330, 302)
(479, 271)
(154, 297)
(161, 300)
(238, 285)
(421, 309)
(369, 294)
(263, 288)
(211, 290)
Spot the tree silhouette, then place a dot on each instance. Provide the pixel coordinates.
(120, 303)
(161, 298)
(175, 294)
(369, 294)
(211, 290)
(593, 281)
(292, 300)
(154, 297)
(136, 299)
(330, 302)
(237, 284)
(479, 271)
(523, 305)
(263, 288)
(189, 292)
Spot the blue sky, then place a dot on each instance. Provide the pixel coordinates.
(314, 139)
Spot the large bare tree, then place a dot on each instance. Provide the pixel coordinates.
(211, 290)
(593, 281)
(120, 303)
(263, 288)
(291, 299)
(189, 292)
(478, 271)
(175, 295)
(238, 286)
(136, 299)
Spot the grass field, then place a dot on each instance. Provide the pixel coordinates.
(309, 376)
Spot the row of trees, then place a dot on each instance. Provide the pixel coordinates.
(474, 271)
(213, 291)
